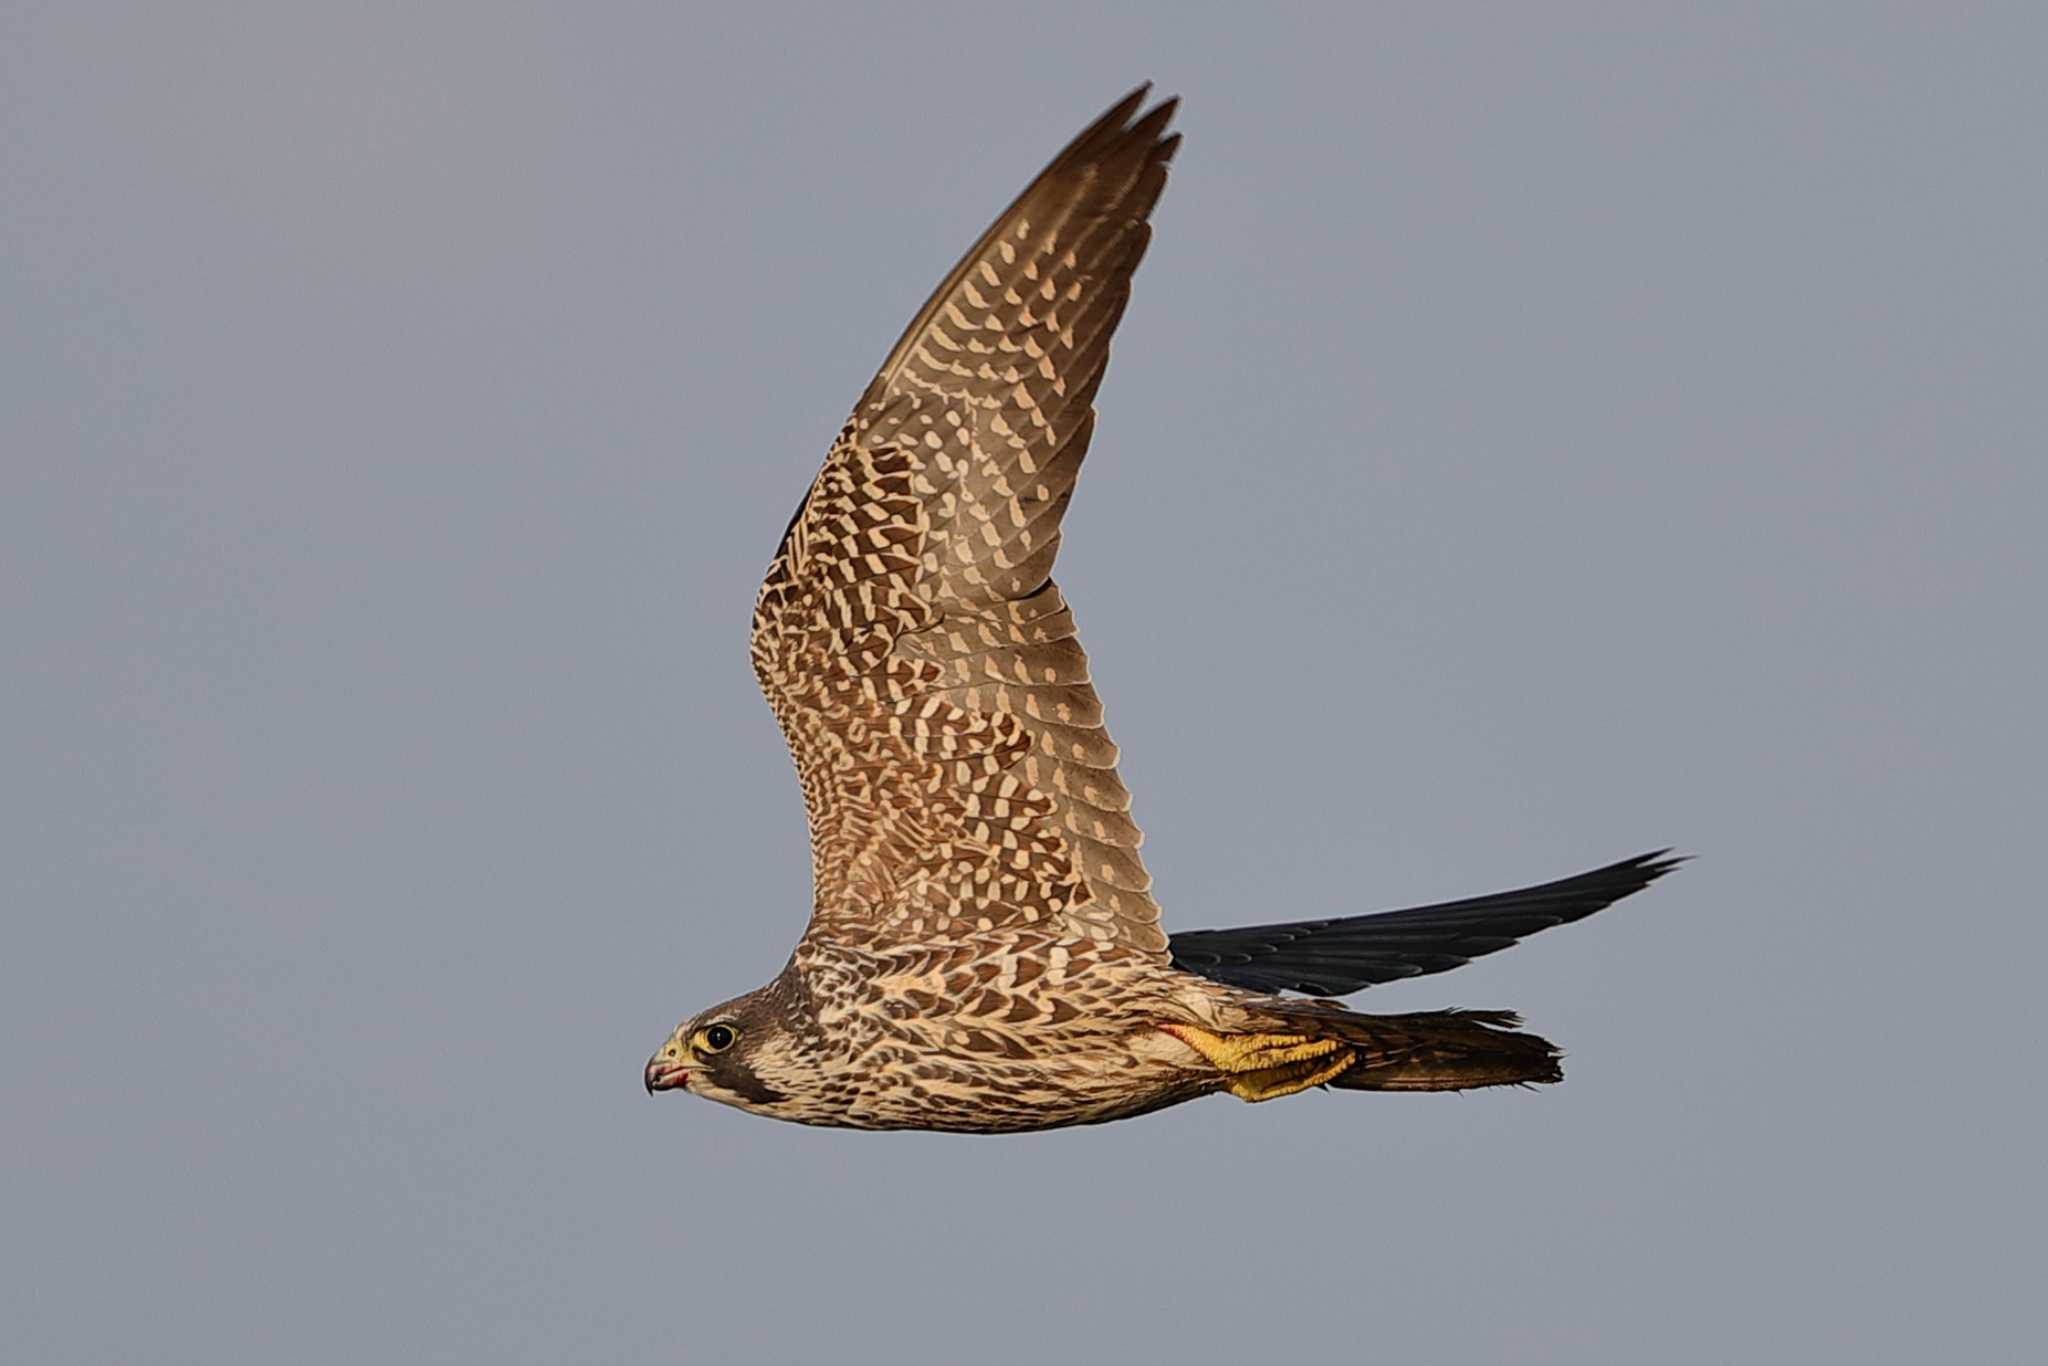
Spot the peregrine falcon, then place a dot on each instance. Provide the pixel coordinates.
(984, 954)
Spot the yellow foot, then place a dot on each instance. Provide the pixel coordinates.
(1267, 1066)
(1251, 1052)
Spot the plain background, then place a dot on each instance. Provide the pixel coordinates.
(1540, 434)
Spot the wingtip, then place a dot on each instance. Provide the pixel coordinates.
(1658, 862)
(1119, 114)
(1125, 112)
(1152, 127)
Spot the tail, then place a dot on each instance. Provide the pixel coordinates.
(1438, 1050)
(1294, 1045)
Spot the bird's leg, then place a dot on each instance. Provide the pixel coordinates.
(1270, 1083)
(1251, 1052)
(1267, 1066)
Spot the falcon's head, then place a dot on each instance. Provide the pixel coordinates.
(745, 1053)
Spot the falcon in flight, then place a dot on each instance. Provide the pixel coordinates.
(984, 953)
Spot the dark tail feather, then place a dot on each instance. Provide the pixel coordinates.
(1341, 955)
(1441, 1050)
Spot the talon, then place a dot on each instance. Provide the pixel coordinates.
(1273, 1083)
(1267, 1066)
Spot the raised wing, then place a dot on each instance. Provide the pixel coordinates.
(922, 664)
(1346, 954)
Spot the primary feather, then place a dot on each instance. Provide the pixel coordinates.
(1337, 956)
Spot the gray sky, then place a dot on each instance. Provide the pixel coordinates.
(1636, 413)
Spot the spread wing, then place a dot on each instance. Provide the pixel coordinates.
(922, 664)
(1337, 956)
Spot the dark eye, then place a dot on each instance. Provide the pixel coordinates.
(717, 1038)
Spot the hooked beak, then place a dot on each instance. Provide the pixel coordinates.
(665, 1071)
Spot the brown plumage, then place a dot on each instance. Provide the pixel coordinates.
(984, 953)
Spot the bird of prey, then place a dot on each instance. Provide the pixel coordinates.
(984, 954)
